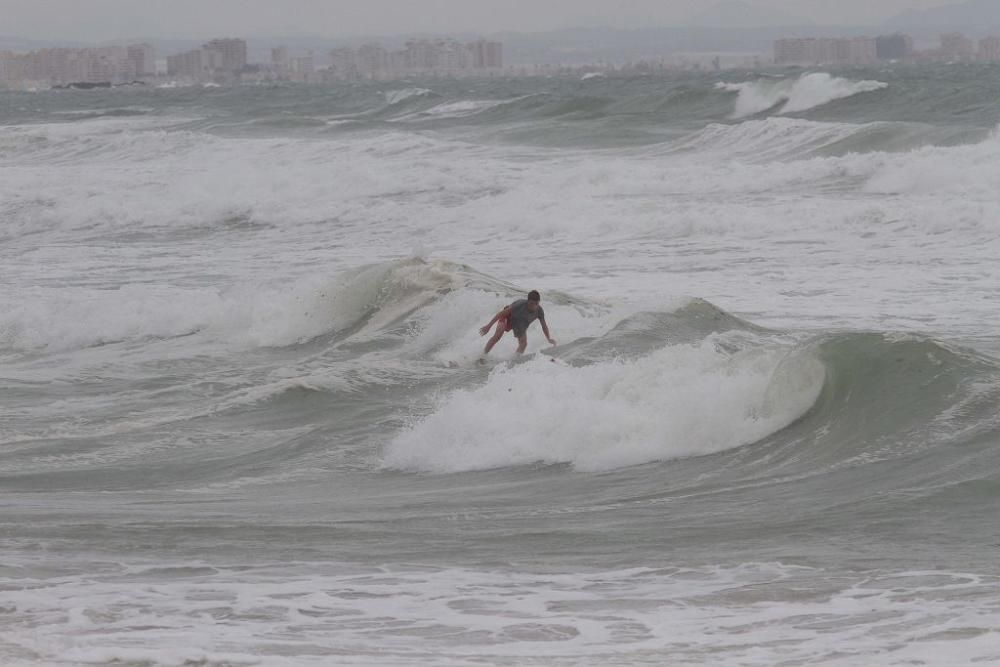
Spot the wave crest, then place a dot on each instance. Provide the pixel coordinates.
(794, 95)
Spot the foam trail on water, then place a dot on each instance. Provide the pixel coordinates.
(459, 109)
(969, 172)
(678, 402)
(768, 139)
(807, 92)
(396, 96)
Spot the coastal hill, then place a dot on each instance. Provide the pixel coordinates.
(976, 15)
(739, 14)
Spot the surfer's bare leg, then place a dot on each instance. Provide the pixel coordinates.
(496, 338)
(522, 344)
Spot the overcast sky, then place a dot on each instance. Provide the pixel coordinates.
(110, 19)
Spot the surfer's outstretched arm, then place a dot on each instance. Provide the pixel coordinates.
(545, 330)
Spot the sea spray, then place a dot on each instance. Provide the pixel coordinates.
(794, 95)
(680, 401)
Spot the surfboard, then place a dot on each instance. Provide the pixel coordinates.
(492, 362)
(473, 362)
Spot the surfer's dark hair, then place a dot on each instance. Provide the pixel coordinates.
(533, 295)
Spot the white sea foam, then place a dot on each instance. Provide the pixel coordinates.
(70, 318)
(964, 171)
(795, 95)
(460, 109)
(394, 97)
(680, 401)
(254, 315)
(296, 614)
(122, 179)
(766, 140)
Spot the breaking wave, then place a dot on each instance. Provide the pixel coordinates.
(794, 95)
(674, 402)
(624, 388)
(697, 381)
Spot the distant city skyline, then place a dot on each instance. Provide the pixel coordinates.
(97, 20)
(225, 61)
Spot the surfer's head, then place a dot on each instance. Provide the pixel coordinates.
(533, 298)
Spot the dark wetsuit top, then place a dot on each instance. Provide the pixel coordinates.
(521, 318)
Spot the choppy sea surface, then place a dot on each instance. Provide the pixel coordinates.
(242, 422)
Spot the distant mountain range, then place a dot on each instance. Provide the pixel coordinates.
(975, 15)
(739, 14)
(970, 15)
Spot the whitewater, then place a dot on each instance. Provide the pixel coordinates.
(242, 420)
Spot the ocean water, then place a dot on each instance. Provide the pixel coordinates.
(242, 422)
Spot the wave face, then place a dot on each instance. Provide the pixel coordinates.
(895, 110)
(241, 399)
(674, 403)
(627, 389)
(795, 95)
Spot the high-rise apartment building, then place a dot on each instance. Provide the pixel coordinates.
(198, 64)
(233, 53)
(861, 51)
(957, 47)
(279, 57)
(422, 54)
(143, 59)
(219, 58)
(826, 51)
(420, 57)
(64, 66)
(486, 55)
(373, 62)
(344, 64)
(989, 49)
(304, 68)
(894, 47)
(792, 51)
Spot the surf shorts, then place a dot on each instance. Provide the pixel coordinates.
(508, 326)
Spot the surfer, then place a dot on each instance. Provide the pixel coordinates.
(517, 317)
